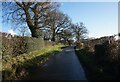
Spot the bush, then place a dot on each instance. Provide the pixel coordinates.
(18, 45)
(104, 63)
(100, 53)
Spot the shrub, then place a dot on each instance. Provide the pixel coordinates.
(105, 61)
(18, 45)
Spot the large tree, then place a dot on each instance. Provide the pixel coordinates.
(30, 13)
(66, 36)
(56, 23)
(80, 31)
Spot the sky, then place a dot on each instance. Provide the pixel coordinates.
(119, 17)
(100, 18)
(0, 16)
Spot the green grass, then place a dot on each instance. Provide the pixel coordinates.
(21, 65)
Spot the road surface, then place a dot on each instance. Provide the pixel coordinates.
(63, 66)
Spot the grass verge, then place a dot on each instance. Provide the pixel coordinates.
(25, 64)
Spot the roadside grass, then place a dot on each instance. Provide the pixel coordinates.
(24, 64)
(94, 70)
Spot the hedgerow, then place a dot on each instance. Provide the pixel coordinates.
(24, 64)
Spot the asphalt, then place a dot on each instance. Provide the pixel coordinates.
(62, 66)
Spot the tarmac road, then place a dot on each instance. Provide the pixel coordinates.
(63, 66)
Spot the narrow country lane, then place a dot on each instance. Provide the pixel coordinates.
(63, 66)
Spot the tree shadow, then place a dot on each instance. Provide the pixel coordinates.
(97, 67)
(27, 68)
(64, 47)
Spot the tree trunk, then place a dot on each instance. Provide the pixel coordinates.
(53, 36)
(34, 30)
(35, 33)
(68, 42)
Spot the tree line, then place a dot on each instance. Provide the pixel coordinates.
(43, 19)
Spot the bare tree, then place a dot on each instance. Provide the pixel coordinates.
(67, 36)
(80, 31)
(30, 13)
(23, 30)
(57, 22)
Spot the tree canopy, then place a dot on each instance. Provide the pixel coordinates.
(31, 13)
(43, 19)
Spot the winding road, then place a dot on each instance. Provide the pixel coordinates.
(63, 66)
